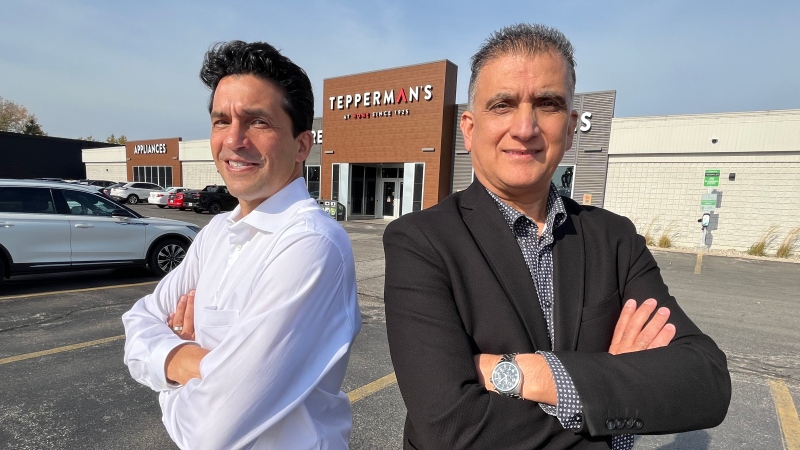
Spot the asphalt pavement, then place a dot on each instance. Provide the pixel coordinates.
(64, 384)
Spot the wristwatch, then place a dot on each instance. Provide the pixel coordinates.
(507, 376)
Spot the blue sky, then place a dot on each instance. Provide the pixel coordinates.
(100, 67)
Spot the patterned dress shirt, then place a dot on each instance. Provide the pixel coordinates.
(538, 253)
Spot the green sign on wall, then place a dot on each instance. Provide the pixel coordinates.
(711, 178)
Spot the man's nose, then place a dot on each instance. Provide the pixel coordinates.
(525, 124)
(236, 136)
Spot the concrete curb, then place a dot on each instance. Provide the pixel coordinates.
(795, 259)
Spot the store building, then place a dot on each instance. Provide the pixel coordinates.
(29, 156)
(388, 143)
(387, 147)
(741, 168)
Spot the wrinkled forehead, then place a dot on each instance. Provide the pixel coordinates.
(532, 57)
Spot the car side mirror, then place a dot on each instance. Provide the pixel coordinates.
(120, 213)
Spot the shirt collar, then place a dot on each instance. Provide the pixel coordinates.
(556, 212)
(273, 212)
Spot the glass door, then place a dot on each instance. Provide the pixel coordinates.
(389, 189)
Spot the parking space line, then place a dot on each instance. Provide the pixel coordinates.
(698, 267)
(787, 414)
(40, 294)
(371, 388)
(53, 351)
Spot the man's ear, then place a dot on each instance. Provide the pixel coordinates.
(573, 124)
(304, 141)
(467, 124)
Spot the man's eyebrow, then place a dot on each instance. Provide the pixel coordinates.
(500, 96)
(257, 113)
(245, 112)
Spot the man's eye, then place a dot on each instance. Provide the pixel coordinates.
(219, 123)
(499, 106)
(550, 105)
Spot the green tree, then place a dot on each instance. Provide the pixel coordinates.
(32, 127)
(13, 116)
(117, 140)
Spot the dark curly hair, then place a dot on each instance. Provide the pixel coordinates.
(266, 62)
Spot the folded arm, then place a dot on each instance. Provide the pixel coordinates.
(149, 340)
(433, 353)
(293, 339)
(449, 407)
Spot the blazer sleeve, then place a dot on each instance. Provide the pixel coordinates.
(680, 387)
(433, 354)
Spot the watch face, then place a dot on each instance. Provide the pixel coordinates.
(505, 376)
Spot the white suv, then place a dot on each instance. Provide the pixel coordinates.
(56, 227)
(134, 192)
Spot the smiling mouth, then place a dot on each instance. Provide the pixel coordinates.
(240, 164)
(521, 152)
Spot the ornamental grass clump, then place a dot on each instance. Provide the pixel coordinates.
(758, 248)
(786, 247)
(648, 234)
(665, 241)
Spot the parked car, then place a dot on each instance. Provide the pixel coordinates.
(176, 200)
(55, 227)
(134, 191)
(107, 190)
(98, 184)
(160, 197)
(212, 198)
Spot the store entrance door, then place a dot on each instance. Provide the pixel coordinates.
(389, 210)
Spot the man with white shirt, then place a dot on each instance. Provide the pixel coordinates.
(255, 356)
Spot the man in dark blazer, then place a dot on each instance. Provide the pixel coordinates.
(519, 319)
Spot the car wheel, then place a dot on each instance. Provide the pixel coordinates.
(166, 255)
(162, 206)
(197, 210)
(214, 208)
(133, 199)
(2, 270)
(182, 209)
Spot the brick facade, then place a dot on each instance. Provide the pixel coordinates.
(392, 132)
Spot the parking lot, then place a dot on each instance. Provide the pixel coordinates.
(65, 385)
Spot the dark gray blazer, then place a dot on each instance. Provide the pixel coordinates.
(457, 285)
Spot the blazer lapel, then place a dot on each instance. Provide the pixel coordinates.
(497, 243)
(568, 282)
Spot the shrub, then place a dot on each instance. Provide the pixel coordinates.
(665, 241)
(785, 249)
(758, 248)
(648, 234)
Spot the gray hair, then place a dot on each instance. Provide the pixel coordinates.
(526, 39)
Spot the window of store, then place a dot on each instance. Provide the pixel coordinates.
(563, 179)
(160, 175)
(312, 180)
(335, 183)
(419, 176)
(362, 189)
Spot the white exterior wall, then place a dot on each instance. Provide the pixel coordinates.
(197, 164)
(108, 171)
(657, 165)
(199, 174)
(107, 163)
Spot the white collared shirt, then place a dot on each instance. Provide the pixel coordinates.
(276, 305)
